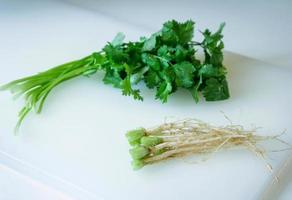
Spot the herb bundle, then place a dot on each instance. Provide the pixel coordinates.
(165, 61)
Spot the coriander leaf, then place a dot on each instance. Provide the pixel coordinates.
(127, 89)
(164, 55)
(151, 61)
(180, 53)
(184, 74)
(152, 79)
(220, 29)
(169, 35)
(126, 85)
(112, 77)
(186, 32)
(167, 74)
(213, 46)
(216, 57)
(163, 91)
(138, 76)
(118, 40)
(177, 33)
(163, 51)
(195, 93)
(134, 51)
(149, 43)
(115, 54)
(216, 90)
(208, 70)
(195, 89)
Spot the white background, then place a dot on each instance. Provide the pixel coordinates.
(256, 29)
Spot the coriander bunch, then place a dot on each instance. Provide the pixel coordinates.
(165, 61)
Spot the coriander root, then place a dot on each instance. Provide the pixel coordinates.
(188, 136)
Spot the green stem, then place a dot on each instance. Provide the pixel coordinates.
(36, 88)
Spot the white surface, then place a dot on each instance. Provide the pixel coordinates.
(281, 189)
(77, 144)
(14, 185)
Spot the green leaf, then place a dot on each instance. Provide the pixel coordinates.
(186, 32)
(112, 77)
(139, 75)
(216, 90)
(195, 93)
(169, 35)
(196, 88)
(126, 85)
(165, 55)
(128, 91)
(149, 43)
(184, 74)
(152, 79)
(134, 51)
(118, 40)
(208, 71)
(174, 33)
(163, 51)
(213, 46)
(163, 91)
(216, 57)
(151, 61)
(115, 54)
(180, 53)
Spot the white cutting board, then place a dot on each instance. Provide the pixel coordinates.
(77, 144)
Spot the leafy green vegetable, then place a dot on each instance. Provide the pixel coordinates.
(150, 43)
(118, 40)
(184, 72)
(166, 61)
(216, 89)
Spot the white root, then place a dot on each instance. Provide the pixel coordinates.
(197, 137)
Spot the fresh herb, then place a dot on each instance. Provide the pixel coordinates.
(165, 61)
(190, 136)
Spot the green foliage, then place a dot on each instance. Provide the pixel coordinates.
(166, 61)
(184, 72)
(174, 33)
(118, 40)
(216, 89)
(163, 91)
